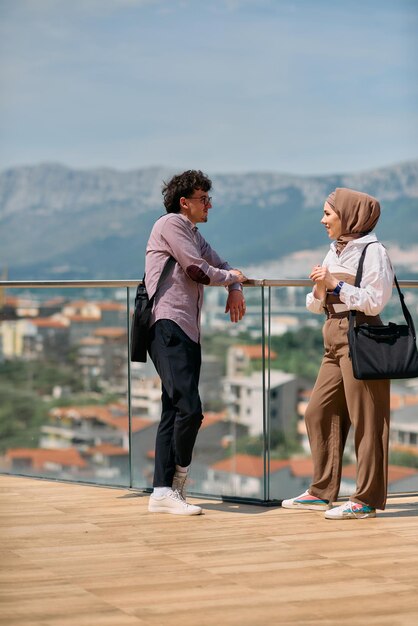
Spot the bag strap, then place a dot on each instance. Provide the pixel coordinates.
(359, 274)
(171, 261)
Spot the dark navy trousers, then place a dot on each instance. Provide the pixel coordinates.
(177, 360)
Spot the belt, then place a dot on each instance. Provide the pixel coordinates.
(336, 316)
(361, 318)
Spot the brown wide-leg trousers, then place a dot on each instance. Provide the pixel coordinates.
(338, 401)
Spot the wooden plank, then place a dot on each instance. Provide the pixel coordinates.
(73, 555)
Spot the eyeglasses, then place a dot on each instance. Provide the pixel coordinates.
(206, 200)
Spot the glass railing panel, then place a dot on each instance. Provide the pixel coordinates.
(146, 411)
(298, 351)
(295, 344)
(63, 384)
(66, 383)
(228, 455)
(403, 448)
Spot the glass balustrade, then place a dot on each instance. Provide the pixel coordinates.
(73, 407)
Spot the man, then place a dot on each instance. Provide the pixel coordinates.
(174, 342)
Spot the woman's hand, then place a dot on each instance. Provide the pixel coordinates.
(323, 280)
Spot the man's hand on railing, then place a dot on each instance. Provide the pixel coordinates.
(239, 275)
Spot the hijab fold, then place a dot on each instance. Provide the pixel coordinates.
(358, 212)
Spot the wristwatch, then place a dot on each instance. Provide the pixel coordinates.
(337, 289)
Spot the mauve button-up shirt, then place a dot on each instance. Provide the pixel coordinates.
(180, 297)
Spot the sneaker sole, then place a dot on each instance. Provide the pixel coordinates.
(307, 507)
(167, 509)
(365, 516)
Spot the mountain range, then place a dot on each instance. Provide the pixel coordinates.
(62, 223)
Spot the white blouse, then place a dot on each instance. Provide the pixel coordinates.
(376, 285)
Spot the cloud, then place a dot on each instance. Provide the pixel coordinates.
(47, 7)
(243, 84)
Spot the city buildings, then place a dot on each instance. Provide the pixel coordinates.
(88, 432)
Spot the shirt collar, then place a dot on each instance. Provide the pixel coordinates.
(361, 241)
(189, 223)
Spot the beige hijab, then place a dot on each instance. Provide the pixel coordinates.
(358, 212)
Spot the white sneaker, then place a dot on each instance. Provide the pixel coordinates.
(173, 503)
(180, 483)
(307, 502)
(351, 510)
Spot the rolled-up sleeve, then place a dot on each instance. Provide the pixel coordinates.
(376, 285)
(313, 304)
(213, 258)
(187, 250)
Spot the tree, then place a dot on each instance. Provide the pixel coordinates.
(282, 446)
(22, 414)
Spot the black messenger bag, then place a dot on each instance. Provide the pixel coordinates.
(141, 316)
(381, 352)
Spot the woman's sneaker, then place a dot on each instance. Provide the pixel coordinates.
(351, 510)
(173, 503)
(307, 502)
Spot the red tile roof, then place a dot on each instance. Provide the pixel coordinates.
(48, 322)
(110, 332)
(400, 447)
(78, 303)
(58, 300)
(110, 306)
(248, 465)
(114, 415)
(121, 423)
(395, 472)
(255, 352)
(411, 400)
(301, 467)
(83, 319)
(397, 400)
(107, 449)
(68, 457)
(19, 302)
(210, 418)
(11, 301)
(90, 341)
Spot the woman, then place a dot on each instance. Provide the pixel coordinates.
(339, 400)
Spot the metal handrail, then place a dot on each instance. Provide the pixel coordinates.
(252, 282)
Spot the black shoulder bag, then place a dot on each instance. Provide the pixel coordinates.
(142, 314)
(381, 352)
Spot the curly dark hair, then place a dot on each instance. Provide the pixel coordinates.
(183, 185)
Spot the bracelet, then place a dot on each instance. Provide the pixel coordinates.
(337, 289)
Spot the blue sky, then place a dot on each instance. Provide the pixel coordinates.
(305, 87)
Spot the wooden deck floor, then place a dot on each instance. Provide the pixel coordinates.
(74, 555)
